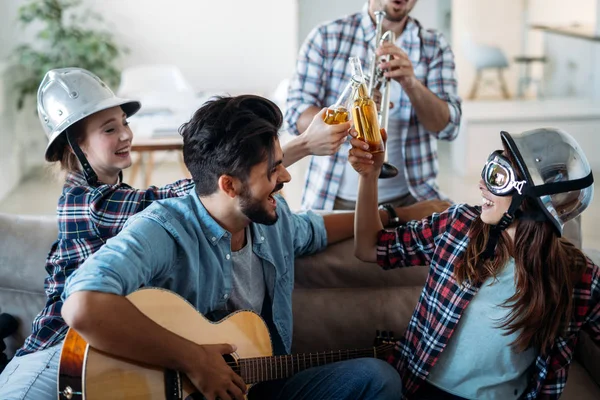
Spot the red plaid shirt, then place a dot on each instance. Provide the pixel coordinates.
(87, 217)
(440, 242)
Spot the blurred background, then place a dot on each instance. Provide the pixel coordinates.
(521, 64)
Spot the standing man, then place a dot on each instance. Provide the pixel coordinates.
(423, 92)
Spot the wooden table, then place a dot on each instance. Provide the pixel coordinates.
(146, 148)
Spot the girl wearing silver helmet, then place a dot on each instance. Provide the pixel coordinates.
(506, 296)
(88, 135)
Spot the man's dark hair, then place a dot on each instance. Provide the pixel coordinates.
(228, 136)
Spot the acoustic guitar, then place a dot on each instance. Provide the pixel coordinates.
(89, 374)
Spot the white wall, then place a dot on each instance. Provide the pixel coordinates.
(9, 33)
(236, 46)
(313, 12)
(558, 13)
(10, 168)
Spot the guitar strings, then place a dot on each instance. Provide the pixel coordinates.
(256, 363)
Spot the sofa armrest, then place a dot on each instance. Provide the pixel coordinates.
(588, 354)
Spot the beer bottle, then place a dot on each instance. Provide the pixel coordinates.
(338, 113)
(364, 110)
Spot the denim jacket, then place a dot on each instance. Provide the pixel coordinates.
(175, 244)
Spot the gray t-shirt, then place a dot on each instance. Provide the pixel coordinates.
(479, 361)
(248, 279)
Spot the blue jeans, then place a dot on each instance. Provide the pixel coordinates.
(32, 376)
(360, 379)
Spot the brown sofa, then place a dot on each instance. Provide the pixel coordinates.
(339, 301)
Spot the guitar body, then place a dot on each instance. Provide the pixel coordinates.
(86, 373)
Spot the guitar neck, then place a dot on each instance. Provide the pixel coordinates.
(259, 369)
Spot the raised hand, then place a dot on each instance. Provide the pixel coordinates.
(323, 139)
(399, 67)
(377, 99)
(361, 160)
(211, 375)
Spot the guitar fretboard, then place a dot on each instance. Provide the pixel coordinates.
(259, 369)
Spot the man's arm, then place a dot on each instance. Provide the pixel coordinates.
(340, 224)
(142, 252)
(306, 94)
(306, 118)
(433, 112)
(437, 106)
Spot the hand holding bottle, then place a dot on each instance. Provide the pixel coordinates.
(362, 160)
(323, 139)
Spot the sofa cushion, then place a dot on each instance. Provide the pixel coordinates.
(337, 267)
(24, 244)
(24, 306)
(347, 318)
(580, 385)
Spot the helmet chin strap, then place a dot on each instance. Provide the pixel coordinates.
(509, 216)
(88, 171)
(513, 213)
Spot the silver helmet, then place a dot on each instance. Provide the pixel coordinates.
(68, 95)
(556, 169)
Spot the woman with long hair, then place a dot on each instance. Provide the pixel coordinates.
(506, 295)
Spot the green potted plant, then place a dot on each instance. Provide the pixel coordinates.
(67, 38)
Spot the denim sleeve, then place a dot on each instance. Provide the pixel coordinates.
(310, 235)
(141, 253)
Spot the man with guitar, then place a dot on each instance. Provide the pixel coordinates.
(228, 245)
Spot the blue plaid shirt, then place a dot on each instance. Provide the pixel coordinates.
(321, 73)
(87, 217)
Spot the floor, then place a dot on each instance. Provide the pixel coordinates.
(39, 191)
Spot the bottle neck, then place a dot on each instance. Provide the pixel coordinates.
(360, 89)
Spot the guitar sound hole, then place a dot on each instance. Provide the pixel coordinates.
(229, 359)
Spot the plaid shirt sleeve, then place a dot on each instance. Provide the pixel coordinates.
(592, 325)
(441, 80)
(111, 205)
(415, 243)
(307, 87)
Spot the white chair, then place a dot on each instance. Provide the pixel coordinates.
(485, 57)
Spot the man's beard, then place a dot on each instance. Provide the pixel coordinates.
(254, 209)
(388, 12)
